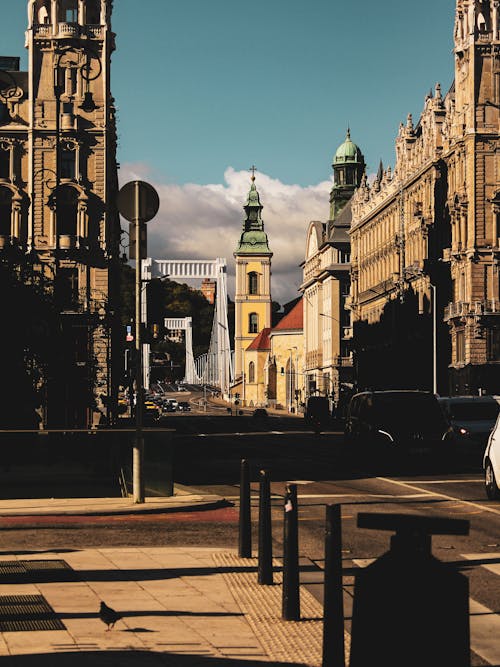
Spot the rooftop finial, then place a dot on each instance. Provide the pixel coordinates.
(348, 135)
(253, 169)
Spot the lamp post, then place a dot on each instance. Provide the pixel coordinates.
(291, 379)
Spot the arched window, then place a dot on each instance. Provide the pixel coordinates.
(271, 387)
(251, 372)
(253, 323)
(67, 211)
(253, 283)
(5, 212)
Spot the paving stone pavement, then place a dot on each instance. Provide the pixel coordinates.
(181, 607)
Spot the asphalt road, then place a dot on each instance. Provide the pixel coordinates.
(208, 452)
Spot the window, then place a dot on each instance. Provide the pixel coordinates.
(251, 372)
(4, 163)
(68, 163)
(493, 349)
(253, 283)
(5, 211)
(253, 323)
(67, 211)
(93, 12)
(460, 343)
(69, 11)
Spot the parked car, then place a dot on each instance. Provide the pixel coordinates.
(491, 463)
(472, 419)
(183, 406)
(260, 413)
(397, 423)
(317, 413)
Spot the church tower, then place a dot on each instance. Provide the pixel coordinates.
(58, 123)
(253, 279)
(348, 169)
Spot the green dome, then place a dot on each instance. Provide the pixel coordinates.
(348, 152)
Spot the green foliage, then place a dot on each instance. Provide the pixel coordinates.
(29, 339)
(167, 298)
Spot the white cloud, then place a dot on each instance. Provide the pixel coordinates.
(205, 221)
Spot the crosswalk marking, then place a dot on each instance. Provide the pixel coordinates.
(492, 567)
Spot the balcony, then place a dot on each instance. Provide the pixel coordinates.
(471, 309)
(68, 30)
(343, 361)
(95, 31)
(42, 30)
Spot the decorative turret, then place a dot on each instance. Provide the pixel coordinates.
(253, 239)
(66, 17)
(348, 168)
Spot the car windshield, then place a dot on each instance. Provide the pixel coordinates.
(470, 411)
(408, 411)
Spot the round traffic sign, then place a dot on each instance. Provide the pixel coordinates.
(138, 200)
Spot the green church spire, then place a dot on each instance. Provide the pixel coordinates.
(253, 240)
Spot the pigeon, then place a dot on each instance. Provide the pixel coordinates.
(108, 616)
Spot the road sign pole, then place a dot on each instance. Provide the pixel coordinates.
(138, 202)
(138, 452)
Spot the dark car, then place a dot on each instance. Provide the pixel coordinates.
(317, 413)
(472, 419)
(183, 406)
(259, 413)
(397, 423)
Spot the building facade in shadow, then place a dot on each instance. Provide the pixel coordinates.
(425, 236)
(59, 228)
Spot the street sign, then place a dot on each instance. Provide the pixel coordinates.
(148, 203)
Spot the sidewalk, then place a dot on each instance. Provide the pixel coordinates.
(184, 499)
(181, 606)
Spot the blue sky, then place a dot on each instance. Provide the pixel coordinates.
(206, 89)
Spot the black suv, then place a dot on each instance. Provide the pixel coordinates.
(401, 422)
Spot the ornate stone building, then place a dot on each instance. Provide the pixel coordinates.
(253, 280)
(58, 186)
(328, 363)
(425, 237)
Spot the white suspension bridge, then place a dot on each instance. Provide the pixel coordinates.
(215, 367)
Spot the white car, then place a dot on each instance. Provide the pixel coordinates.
(491, 463)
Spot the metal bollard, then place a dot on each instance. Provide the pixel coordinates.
(265, 564)
(333, 606)
(245, 537)
(290, 610)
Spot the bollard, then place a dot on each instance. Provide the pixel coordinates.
(409, 607)
(245, 538)
(333, 606)
(265, 565)
(290, 609)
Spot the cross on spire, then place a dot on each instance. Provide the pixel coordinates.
(253, 169)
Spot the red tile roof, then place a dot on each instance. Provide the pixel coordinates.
(261, 341)
(293, 320)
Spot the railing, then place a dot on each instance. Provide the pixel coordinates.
(465, 308)
(42, 29)
(69, 29)
(343, 361)
(95, 30)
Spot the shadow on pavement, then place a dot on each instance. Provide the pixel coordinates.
(132, 658)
